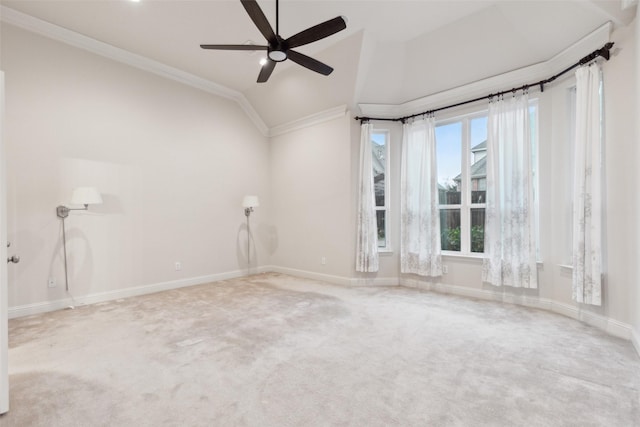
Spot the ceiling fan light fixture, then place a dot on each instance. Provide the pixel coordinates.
(277, 55)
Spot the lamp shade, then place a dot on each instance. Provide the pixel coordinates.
(86, 196)
(250, 202)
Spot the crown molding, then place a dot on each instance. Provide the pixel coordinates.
(313, 119)
(55, 32)
(536, 72)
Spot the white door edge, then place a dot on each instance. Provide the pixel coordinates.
(4, 294)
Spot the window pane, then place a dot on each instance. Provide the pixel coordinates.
(477, 230)
(449, 157)
(478, 160)
(382, 237)
(379, 161)
(450, 229)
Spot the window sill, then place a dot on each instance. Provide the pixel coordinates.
(458, 255)
(479, 257)
(385, 251)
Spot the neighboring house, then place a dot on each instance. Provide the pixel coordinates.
(479, 168)
(478, 172)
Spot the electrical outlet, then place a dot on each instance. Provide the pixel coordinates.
(52, 282)
(445, 269)
(178, 266)
(323, 261)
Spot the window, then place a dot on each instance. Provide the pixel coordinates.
(380, 161)
(461, 150)
(462, 190)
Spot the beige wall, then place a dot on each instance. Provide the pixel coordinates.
(172, 163)
(620, 118)
(311, 207)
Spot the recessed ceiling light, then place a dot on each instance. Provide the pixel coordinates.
(263, 61)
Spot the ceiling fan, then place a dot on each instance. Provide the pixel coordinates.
(279, 49)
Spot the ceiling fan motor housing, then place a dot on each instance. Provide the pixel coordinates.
(278, 52)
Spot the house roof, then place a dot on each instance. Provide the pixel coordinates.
(479, 168)
(479, 147)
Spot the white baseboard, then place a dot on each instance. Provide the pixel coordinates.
(46, 306)
(336, 280)
(611, 326)
(375, 281)
(447, 289)
(635, 340)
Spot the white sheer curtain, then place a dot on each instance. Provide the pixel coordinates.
(420, 227)
(509, 242)
(367, 238)
(587, 198)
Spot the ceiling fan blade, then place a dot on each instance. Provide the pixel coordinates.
(258, 18)
(310, 63)
(233, 47)
(317, 32)
(266, 71)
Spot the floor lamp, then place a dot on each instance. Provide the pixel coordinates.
(248, 203)
(81, 196)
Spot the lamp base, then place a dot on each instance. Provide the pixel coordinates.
(62, 211)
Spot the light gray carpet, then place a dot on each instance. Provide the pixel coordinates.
(274, 350)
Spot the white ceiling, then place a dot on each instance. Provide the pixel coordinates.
(393, 51)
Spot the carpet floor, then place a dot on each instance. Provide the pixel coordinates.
(275, 350)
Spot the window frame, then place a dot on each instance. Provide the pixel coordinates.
(465, 198)
(466, 204)
(387, 197)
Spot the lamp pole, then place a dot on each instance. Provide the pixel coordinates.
(249, 203)
(247, 213)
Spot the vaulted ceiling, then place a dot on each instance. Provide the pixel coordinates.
(392, 51)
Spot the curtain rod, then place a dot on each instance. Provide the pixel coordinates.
(604, 52)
